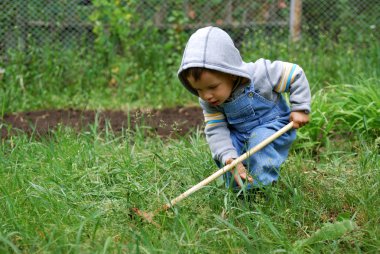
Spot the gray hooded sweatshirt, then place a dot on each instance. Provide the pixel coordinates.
(213, 48)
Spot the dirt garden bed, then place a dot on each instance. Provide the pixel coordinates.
(168, 122)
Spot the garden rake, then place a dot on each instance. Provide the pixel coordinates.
(148, 216)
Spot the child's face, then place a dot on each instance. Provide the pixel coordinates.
(213, 87)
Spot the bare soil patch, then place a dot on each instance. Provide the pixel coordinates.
(170, 122)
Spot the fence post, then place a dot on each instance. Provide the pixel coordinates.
(21, 31)
(295, 19)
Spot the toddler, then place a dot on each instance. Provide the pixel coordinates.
(243, 104)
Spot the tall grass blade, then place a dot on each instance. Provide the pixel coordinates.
(235, 229)
(8, 243)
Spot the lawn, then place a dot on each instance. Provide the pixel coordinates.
(71, 191)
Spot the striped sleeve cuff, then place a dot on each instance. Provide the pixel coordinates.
(214, 119)
(287, 77)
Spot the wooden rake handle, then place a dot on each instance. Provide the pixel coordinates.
(228, 167)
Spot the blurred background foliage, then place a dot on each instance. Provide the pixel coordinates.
(122, 54)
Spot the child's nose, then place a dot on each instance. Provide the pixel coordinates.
(208, 96)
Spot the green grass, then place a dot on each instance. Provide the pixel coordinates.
(72, 193)
(341, 112)
(78, 78)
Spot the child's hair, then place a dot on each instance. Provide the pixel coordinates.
(194, 72)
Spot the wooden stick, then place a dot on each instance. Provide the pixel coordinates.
(227, 167)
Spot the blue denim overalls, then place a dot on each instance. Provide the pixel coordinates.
(251, 119)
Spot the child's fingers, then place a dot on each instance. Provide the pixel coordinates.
(237, 178)
(240, 173)
(299, 119)
(246, 176)
(244, 173)
(295, 125)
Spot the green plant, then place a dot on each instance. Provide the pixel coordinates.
(359, 106)
(341, 110)
(322, 122)
(327, 232)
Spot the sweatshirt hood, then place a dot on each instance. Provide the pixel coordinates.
(212, 48)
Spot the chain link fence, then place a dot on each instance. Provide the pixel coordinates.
(70, 23)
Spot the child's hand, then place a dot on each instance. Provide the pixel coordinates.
(240, 173)
(299, 119)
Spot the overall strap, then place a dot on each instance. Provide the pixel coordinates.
(249, 88)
